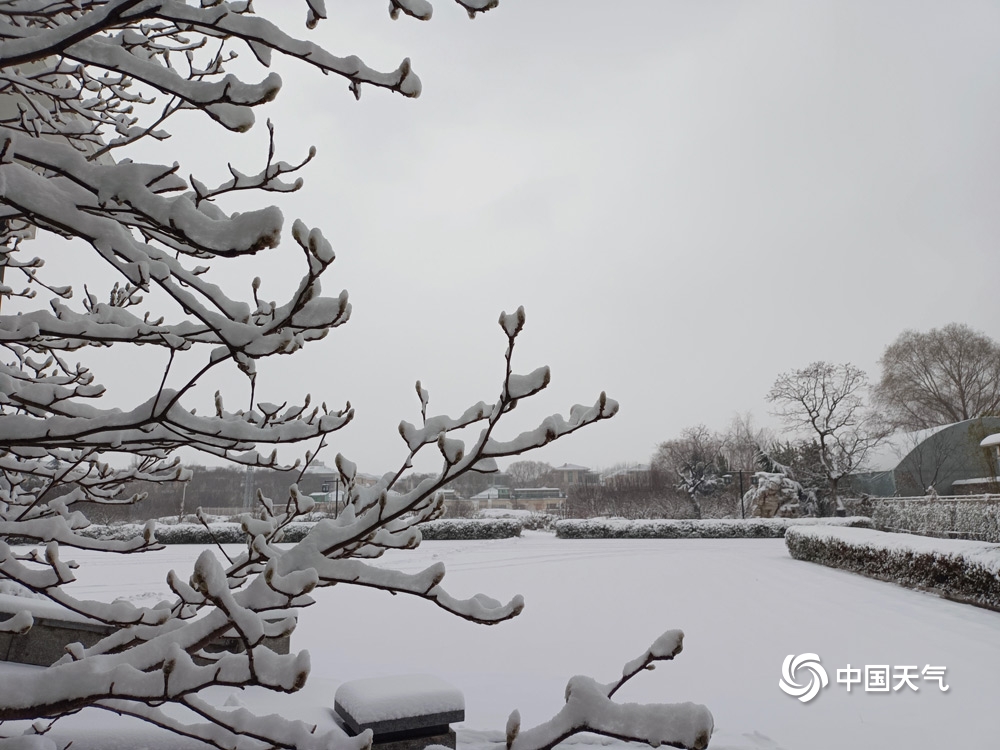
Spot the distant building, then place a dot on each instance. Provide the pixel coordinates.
(949, 458)
(635, 474)
(318, 477)
(538, 499)
(492, 497)
(572, 475)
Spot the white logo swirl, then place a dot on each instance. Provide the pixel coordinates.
(817, 679)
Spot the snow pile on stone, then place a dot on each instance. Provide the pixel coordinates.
(965, 518)
(376, 700)
(961, 570)
(725, 528)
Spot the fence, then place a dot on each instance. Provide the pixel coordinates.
(975, 517)
(330, 509)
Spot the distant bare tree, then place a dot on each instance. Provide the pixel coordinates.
(696, 461)
(527, 473)
(827, 402)
(945, 375)
(742, 442)
(629, 494)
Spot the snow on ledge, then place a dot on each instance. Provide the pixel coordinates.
(380, 699)
(42, 608)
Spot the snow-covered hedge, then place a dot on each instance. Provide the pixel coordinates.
(725, 528)
(470, 528)
(528, 519)
(229, 532)
(223, 532)
(973, 518)
(961, 570)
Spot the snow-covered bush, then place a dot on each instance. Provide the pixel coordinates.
(470, 528)
(723, 528)
(960, 570)
(81, 82)
(529, 520)
(217, 532)
(228, 532)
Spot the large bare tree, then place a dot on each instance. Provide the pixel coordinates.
(945, 375)
(81, 82)
(828, 403)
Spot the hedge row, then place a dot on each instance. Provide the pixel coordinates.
(470, 528)
(529, 520)
(977, 519)
(222, 532)
(228, 532)
(727, 528)
(960, 570)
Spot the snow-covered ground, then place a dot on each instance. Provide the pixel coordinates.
(592, 605)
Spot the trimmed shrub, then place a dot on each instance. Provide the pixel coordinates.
(529, 520)
(960, 570)
(726, 528)
(229, 532)
(470, 528)
(222, 532)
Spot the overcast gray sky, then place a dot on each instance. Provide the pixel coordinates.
(687, 197)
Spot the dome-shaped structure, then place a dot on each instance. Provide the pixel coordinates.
(948, 458)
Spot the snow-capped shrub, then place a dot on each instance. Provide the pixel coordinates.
(470, 528)
(975, 518)
(750, 528)
(529, 520)
(217, 532)
(961, 570)
(540, 522)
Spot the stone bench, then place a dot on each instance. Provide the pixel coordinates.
(404, 712)
(55, 628)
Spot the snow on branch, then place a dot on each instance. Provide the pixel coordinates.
(81, 82)
(589, 708)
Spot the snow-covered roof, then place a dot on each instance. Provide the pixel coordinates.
(895, 448)
(571, 467)
(637, 469)
(491, 493)
(990, 440)
(976, 480)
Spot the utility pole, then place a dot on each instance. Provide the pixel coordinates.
(248, 488)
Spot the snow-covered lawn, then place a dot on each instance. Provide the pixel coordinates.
(594, 604)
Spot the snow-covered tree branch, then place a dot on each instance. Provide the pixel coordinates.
(81, 82)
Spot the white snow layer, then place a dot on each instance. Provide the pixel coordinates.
(377, 699)
(744, 605)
